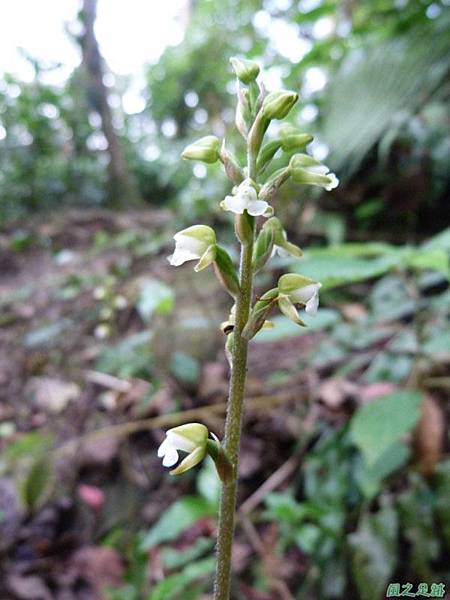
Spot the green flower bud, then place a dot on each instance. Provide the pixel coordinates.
(206, 149)
(263, 247)
(266, 154)
(243, 226)
(243, 116)
(246, 70)
(277, 105)
(225, 271)
(292, 139)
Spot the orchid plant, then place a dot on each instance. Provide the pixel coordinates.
(260, 235)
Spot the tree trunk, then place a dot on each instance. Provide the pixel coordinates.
(122, 192)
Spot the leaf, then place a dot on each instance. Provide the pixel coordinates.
(434, 259)
(155, 297)
(175, 559)
(441, 241)
(184, 367)
(29, 444)
(132, 357)
(208, 483)
(181, 515)
(382, 423)
(35, 485)
(438, 344)
(374, 551)
(370, 477)
(177, 583)
(442, 490)
(333, 270)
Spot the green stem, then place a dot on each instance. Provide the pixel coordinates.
(233, 424)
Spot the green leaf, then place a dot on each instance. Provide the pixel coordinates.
(35, 485)
(441, 241)
(29, 444)
(181, 515)
(434, 259)
(155, 297)
(175, 559)
(333, 270)
(208, 482)
(374, 551)
(442, 490)
(184, 367)
(370, 477)
(177, 583)
(383, 422)
(438, 344)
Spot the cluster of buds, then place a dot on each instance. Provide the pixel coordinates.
(248, 200)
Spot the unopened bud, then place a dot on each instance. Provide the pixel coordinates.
(293, 139)
(277, 105)
(263, 247)
(225, 271)
(206, 149)
(246, 70)
(243, 226)
(266, 154)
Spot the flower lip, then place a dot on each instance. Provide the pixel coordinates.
(191, 438)
(245, 198)
(300, 290)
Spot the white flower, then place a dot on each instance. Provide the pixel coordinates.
(309, 296)
(194, 243)
(296, 289)
(306, 169)
(191, 438)
(245, 198)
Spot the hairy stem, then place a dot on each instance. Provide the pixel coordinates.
(233, 424)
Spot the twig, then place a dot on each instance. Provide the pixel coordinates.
(173, 419)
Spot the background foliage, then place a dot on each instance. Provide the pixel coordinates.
(351, 413)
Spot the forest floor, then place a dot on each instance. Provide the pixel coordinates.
(102, 348)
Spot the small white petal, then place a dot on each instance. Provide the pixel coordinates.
(333, 183)
(170, 458)
(257, 207)
(179, 442)
(309, 296)
(180, 256)
(313, 304)
(163, 447)
(235, 204)
(281, 251)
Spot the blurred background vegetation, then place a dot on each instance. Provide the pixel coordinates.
(345, 468)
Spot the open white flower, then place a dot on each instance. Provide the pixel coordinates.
(306, 169)
(194, 243)
(192, 439)
(296, 289)
(245, 198)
